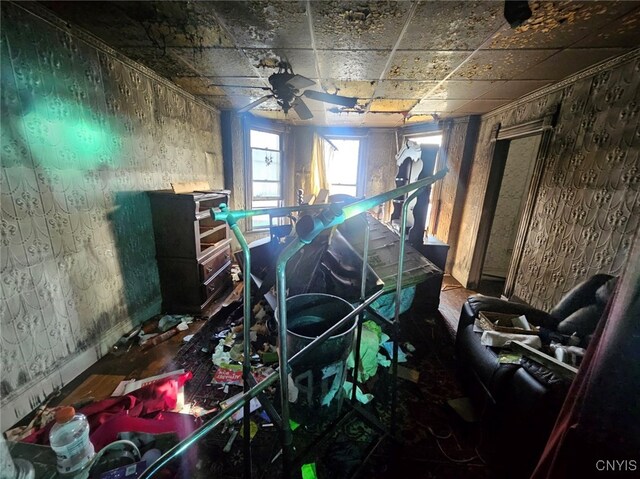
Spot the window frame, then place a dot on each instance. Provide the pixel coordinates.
(362, 168)
(248, 165)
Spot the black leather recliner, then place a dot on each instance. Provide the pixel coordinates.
(522, 401)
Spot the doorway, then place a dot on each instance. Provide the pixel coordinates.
(511, 198)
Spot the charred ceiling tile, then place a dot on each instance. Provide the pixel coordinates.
(623, 32)
(352, 65)
(452, 25)
(560, 24)
(391, 105)
(500, 64)
(205, 86)
(302, 61)
(461, 89)
(358, 25)
(273, 24)
(403, 89)
(358, 89)
(158, 60)
(424, 66)
(214, 61)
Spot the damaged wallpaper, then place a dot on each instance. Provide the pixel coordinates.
(85, 133)
(587, 210)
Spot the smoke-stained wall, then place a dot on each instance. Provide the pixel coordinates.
(85, 132)
(587, 209)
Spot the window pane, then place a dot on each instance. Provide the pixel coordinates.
(342, 164)
(265, 165)
(262, 139)
(428, 140)
(263, 189)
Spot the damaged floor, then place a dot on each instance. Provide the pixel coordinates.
(434, 441)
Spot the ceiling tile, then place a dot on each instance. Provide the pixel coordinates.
(273, 24)
(510, 90)
(437, 106)
(112, 25)
(560, 24)
(424, 66)
(391, 105)
(500, 64)
(358, 89)
(235, 102)
(403, 89)
(303, 61)
(222, 62)
(461, 89)
(567, 62)
(158, 60)
(479, 107)
(221, 86)
(459, 25)
(420, 118)
(352, 65)
(383, 119)
(358, 25)
(623, 32)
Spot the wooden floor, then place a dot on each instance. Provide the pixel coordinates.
(134, 363)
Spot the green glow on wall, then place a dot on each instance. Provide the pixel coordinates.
(67, 136)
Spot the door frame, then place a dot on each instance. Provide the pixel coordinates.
(498, 152)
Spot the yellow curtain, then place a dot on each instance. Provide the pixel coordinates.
(318, 174)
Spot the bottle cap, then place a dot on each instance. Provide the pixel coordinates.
(65, 414)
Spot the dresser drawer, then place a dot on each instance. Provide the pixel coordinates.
(214, 263)
(216, 286)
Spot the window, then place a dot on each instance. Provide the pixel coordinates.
(266, 174)
(342, 164)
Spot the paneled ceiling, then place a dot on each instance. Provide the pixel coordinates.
(405, 61)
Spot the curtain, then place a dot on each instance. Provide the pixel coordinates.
(598, 428)
(317, 179)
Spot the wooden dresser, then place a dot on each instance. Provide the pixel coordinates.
(193, 250)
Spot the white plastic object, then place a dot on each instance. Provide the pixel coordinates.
(69, 439)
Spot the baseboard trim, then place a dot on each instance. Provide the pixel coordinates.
(26, 400)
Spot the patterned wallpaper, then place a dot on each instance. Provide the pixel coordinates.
(588, 208)
(85, 133)
(513, 194)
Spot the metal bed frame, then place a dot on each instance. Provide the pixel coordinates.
(307, 228)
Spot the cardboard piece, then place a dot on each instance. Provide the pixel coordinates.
(190, 186)
(96, 387)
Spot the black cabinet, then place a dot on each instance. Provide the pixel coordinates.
(193, 250)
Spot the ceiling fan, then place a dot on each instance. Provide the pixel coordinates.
(286, 88)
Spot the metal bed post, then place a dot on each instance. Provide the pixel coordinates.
(396, 317)
(363, 288)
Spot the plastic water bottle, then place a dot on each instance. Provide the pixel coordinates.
(69, 439)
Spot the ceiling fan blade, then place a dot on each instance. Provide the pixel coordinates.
(346, 101)
(254, 104)
(301, 109)
(299, 82)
